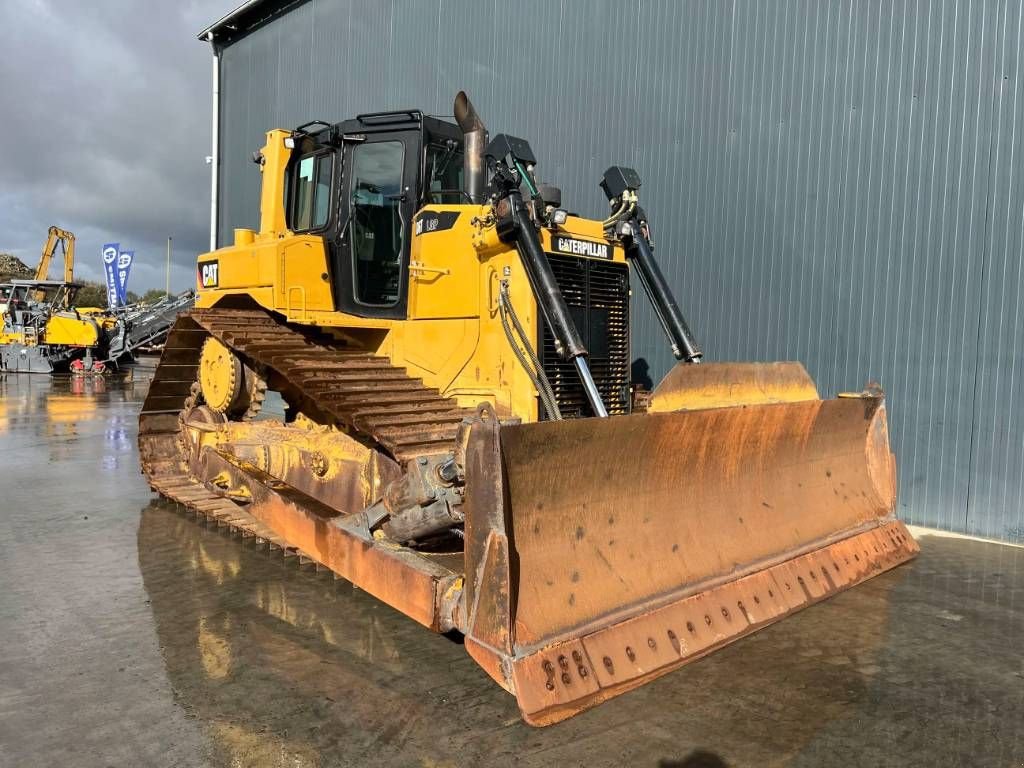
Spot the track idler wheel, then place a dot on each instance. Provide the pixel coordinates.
(221, 378)
(229, 386)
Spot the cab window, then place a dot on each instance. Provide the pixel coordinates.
(378, 231)
(309, 190)
(444, 171)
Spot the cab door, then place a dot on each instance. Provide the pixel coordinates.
(371, 254)
(444, 267)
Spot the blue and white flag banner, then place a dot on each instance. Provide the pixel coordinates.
(110, 254)
(124, 266)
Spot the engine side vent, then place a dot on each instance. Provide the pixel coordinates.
(597, 293)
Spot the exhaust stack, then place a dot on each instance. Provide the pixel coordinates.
(475, 133)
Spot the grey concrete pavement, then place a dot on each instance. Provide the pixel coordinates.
(131, 634)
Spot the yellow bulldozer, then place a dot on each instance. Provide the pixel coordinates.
(461, 438)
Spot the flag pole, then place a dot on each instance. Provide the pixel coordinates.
(167, 292)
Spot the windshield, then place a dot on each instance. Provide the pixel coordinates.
(44, 294)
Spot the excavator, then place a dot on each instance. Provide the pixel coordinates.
(41, 331)
(460, 436)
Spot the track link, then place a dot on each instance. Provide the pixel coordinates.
(361, 392)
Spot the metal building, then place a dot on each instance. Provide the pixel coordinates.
(838, 183)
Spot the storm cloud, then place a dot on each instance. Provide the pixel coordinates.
(105, 117)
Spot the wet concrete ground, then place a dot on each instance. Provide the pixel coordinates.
(131, 635)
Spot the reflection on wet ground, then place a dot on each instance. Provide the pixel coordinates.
(134, 635)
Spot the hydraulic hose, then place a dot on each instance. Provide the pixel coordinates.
(526, 355)
(527, 178)
(625, 209)
(551, 403)
(615, 215)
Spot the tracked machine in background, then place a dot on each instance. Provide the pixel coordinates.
(460, 439)
(41, 329)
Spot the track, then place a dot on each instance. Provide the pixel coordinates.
(371, 399)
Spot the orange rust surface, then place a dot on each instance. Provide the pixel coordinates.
(609, 515)
(398, 576)
(571, 676)
(351, 477)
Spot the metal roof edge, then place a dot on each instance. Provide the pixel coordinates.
(244, 19)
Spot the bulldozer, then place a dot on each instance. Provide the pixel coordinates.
(460, 436)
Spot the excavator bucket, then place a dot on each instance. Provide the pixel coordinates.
(602, 553)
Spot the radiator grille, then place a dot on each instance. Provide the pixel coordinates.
(597, 293)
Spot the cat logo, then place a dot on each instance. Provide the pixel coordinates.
(570, 245)
(208, 274)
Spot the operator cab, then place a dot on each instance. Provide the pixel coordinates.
(31, 302)
(359, 183)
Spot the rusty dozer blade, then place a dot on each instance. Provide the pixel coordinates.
(602, 553)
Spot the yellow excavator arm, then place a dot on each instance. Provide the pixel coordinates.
(66, 240)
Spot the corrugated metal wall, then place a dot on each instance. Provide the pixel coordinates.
(833, 182)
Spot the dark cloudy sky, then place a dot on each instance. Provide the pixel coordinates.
(105, 126)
